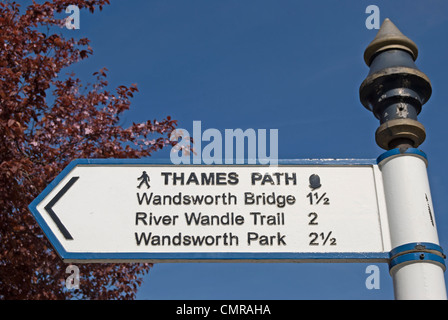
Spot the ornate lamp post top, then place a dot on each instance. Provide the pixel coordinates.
(395, 89)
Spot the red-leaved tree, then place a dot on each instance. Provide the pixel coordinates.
(48, 119)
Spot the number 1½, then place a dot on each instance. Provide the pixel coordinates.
(316, 199)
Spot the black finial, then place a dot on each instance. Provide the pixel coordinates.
(389, 37)
(395, 89)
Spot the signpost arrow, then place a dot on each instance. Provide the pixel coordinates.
(54, 217)
(135, 210)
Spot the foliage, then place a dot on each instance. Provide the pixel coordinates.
(47, 120)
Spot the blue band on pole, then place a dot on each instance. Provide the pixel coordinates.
(417, 252)
(397, 151)
(417, 257)
(416, 247)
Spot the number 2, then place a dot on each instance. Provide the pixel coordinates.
(313, 216)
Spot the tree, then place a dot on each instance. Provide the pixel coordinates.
(46, 120)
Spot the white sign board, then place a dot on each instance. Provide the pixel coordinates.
(132, 210)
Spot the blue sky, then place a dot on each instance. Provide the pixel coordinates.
(290, 65)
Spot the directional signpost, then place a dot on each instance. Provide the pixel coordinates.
(299, 211)
(132, 210)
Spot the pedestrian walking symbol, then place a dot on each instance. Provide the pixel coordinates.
(145, 180)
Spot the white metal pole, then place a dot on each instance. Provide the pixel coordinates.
(417, 262)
